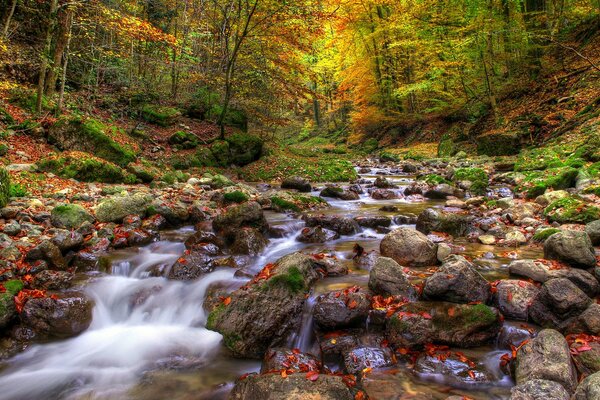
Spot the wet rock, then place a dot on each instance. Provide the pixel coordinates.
(249, 214)
(513, 298)
(294, 387)
(546, 357)
(523, 210)
(342, 308)
(589, 388)
(67, 316)
(317, 234)
(70, 216)
(86, 260)
(409, 248)
(141, 237)
(383, 194)
(12, 228)
(443, 252)
(331, 265)
(248, 241)
(406, 219)
(298, 183)
(48, 252)
(512, 334)
(434, 220)
(587, 322)
(339, 224)
(586, 356)
(191, 266)
(67, 240)
(374, 221)
(593, 231)
(7, 304)
(176, 213)
(387, 278)
(262, 314)
(280, 358)
(458, 281)
(201, 238)
(454, 369)
(154, 223)
(356, 188)
(339, 193)
(549, 197)
(537, 389)
(461, 325)
(382, 183)
(558, 300)
(115, 208)
(356, 360)
(572, 247)
(442, 191)
(53, 280)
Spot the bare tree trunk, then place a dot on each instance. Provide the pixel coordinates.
(45, 55)
(59, 50)
(63, 77)
(9, 17)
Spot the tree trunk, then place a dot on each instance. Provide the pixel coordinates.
(45, 55)
(59, 50)
(63, 78)
(9, 17)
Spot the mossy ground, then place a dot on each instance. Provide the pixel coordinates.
(537, 182)
(4, 187)
(571, 210)
(85, 168)
(159, 115)
(477, 176)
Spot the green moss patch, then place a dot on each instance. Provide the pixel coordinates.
(159, 115)
(4, 187)
(276, 167)
(478, 177)
(292, 280)
(236, 197)
(537, 182)
(433, 179)
(542, 235)
(184, 140)
(571, 210)
(280, 204)
(86, 168)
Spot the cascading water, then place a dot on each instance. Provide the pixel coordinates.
(138, 324)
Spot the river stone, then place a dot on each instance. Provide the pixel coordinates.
(7, 304)
(513, 298)
(383, 194)
(382, 183)
(387, 278)
(317, 234)
(538, 389)
(191, 266)
(115, 208)
(176, 213)
(339, 193)
(69, 216)
(53, 280)
(558, 300)
(339, 224)
(589, 388)
(263, 313)
(550, 197)
(572, 247)
(298, 183)
(462, 325)
(516, 237)
(48, 252)
(593, 231)
(450, 368)
(356, 360)
(249, 214)
(409, 248)
(546, 357)
(457, 281)
(342, 309)
(487, 239)
(293, 387)
(522, 210)
(248, 241)
(67, 240)
(442, 192)
(434, 220)
(280, 358)
(374, 221)
(67, 316)
(588, 360)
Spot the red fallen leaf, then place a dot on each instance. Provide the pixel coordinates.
(349, 380)
(509, 295)
(312, 375)
(54, 297)
(227, 300)
(471, 374)
(2, 288)
(426, 315)
(244, 376)
(585, 347)
(296, 351)
(284, 373)
(352, 304)
(359, 396)
(522, 284)
(451, 312)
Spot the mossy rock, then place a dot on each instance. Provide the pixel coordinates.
(7, 303)
(498, 144)
(85, 168)
(220, 152)
(433, 179)
(205, 157)
(3, 149)
(537, 182)
(478, 177)
(446, 147)
(145, 175)
(4, 187)
(184, 140)
(280, 204)
(544, 234)
(244, 148)
(5, 117)
(91, 136)
(236, 196)
(159, 115)
(115, 208)
(571, 210)
(70, 216)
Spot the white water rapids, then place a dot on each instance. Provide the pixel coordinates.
(137, 324)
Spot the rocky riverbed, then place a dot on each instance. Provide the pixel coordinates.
(420, 280)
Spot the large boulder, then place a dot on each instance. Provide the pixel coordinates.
(589, 388)
(593, 231)
(294, 387)
(434, 220)
(572, 247)
(558, 300)
(457, 281)
(69, 216)
(453, 368)
(342, 308)
(298, 183)
(361, 358)
(115, 208)
(387, 278)
(191, 266)
(546, 357)
(248, 241)
(462, 325)
(514, 297)
(249, 214)
(262, 313)
(537, 389)
(336, 223)
(62, 317)
(409, 248)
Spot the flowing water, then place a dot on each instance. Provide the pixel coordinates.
(147, 339)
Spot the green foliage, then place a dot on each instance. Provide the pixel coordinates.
(27, 99)
(86, 168)
(174, 176)
(4, 187)
(544, 234)
(571, 210)
(387, 156)
(243, 148)
(5, 117)
(17, 190)
(370, 145)
(202, 103)
(498, 144)
(235, 197)
(446, 146)
(159, 115)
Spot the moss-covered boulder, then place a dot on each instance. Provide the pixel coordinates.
(142, 173)
(537, 182)
(70, 216)
(571, 210)
(4, 187)
(477, 177)
(85, 168)
(183, 140)
(498, 144)
(7, 304)
(115, 208)
(463, 325)
(263, 313)
(159, 115)
(446, 147)
(91, 136)
(238, 149)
